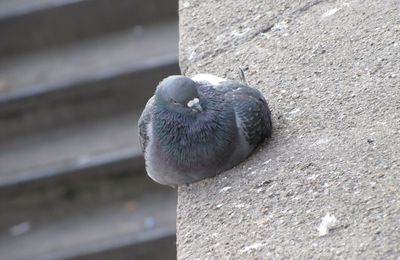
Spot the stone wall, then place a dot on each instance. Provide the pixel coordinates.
(330, 71)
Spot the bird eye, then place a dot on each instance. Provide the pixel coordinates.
(172, 101)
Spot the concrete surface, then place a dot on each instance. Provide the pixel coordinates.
(330, 71)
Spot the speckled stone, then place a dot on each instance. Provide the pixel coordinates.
(330, 71)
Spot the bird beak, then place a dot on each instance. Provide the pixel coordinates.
(195, 104)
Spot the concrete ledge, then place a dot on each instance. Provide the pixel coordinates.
(330, 71)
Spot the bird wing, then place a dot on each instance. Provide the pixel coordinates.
(144, 122)
(251, 108)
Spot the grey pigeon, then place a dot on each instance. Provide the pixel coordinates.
(195, 128)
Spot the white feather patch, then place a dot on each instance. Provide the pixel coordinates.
(214, 80)
(193, 102)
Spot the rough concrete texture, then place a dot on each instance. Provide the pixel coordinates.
(330, 71)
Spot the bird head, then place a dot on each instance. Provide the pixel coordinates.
(179, 93)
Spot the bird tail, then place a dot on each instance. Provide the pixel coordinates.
(242, 76)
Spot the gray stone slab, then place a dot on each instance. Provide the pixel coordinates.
(163, 248)
(70, 148)
(30, 25)
(75, 83)
(330, 72)
(59, 67)
(87, 218)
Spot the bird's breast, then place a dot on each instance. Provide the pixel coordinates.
(194, 145)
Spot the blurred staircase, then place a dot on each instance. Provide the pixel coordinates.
(74, 77)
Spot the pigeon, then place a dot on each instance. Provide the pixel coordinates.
(196, 128)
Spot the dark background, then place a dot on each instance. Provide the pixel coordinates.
(74, 78)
